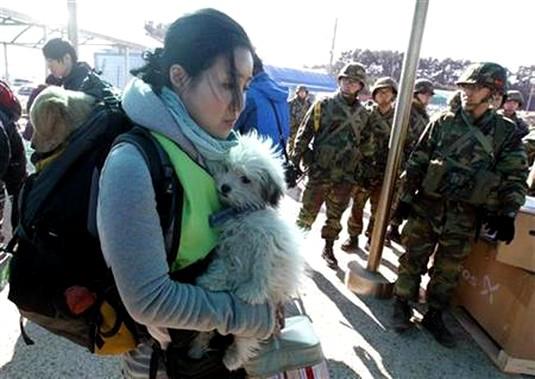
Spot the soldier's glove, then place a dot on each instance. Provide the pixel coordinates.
(503, 226)
(403, 211)
(291, 174)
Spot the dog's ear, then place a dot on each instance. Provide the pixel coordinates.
(273, 193)
(50, 123)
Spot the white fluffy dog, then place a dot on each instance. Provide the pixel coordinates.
(258, 256)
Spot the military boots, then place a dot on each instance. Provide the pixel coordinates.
(401, 316)
(392, 234)
(352, 243)
(328, 255)
(433, 322)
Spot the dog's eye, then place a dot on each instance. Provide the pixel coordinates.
(245, 179)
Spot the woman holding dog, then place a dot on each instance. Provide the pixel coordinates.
(189, 95)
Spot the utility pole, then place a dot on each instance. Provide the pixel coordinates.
(531, 90)
(333, 44)
(72, 26)
(368, 281)
(6, 63)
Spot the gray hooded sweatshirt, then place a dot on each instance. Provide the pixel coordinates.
(133, 245)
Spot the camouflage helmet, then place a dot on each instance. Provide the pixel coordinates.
(424, 86)
(301, 87)
(514, 95)
(385, 82)
(354, 70)
(490, 75)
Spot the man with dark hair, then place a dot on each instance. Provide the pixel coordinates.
(62, 61)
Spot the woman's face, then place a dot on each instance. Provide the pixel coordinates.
(210, 98)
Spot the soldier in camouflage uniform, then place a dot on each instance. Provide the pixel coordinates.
(299, 105)
(529, 144)
(423, 92)
(334, 126)
(384, 93)
(465, 162)
(514, 101)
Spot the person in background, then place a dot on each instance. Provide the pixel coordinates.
(335, 127)
(15, 166)
(299, 105)
(266, 108)
(424, 91)
(68, 72)
(466, 163)
(384, 92)
(514, 101)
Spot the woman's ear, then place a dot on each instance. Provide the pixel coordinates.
(178, 76)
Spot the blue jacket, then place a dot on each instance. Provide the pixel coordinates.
(264, 98)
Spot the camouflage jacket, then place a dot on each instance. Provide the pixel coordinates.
(529, 143)
(298, 110)
(496, 178)
(522, 126)
(337, 157)
(417, 122)
(380, 126)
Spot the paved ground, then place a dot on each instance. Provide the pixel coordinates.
(354, 331)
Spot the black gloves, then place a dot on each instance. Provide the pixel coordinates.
(503, 226)
(403, 211)
(291, 174)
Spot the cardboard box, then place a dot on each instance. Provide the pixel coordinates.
(521, 252)
(501, 298)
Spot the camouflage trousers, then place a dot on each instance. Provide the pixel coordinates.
(441, 227)
(291, 138)
(336, 198)
(398, 189)
(360, 197)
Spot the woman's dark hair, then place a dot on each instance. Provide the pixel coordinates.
(194, 41)
(56, 48)
(258, 65)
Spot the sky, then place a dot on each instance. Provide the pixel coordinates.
(299, 33)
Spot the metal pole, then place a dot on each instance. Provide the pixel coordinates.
(531, 90)
(399, 132)
(45, 39)
(72, 27)
(126, 65)
(6, 63)
(333, 44)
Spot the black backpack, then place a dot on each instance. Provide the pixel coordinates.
(56, 249)
(57, 264)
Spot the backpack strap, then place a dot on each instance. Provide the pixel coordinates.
(282, 141)
(167, 188)
(317, 116)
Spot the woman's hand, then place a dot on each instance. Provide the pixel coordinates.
(279, 319)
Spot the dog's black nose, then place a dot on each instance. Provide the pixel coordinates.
(225, 188)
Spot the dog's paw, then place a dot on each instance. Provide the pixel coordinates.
(251, 295)
(232, 360)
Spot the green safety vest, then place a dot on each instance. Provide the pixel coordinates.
(200, 200)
